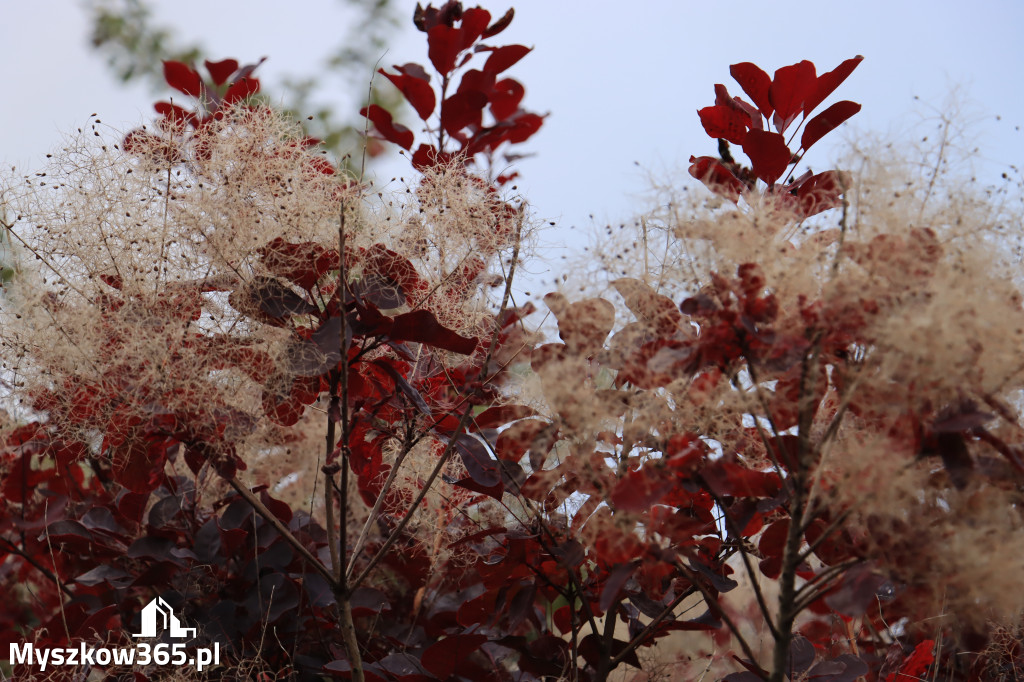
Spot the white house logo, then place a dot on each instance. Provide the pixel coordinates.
(160, 612)
(157, 616)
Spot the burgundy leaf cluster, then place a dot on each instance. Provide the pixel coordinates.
(482, 113)
(230, 89)
(793, 93)
(553, 524)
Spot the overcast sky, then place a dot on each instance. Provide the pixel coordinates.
(621, 80)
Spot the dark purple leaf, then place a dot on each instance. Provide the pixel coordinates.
(857, 591)
(801, 656)
(477, 460)
(615, 583)
(404, 386)
(421, 326)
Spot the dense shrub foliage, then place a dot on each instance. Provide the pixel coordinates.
(784, 443)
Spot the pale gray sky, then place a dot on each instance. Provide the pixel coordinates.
(622, 80)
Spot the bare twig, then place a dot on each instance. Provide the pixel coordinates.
(717, 609)
(290, 538)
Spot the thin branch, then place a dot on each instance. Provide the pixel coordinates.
(794, 537)
(51, 576)
(345, 426)
(441, 461)
(655, 622)
(831, 528)
(463, 421)
(813, 589)
(730, 525)
(357, 549)
(269, 516)
(717, 609)
(328, 470)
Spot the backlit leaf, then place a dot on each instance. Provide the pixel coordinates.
(182, 77)
(721, 121)
(826, 83)
(504, 57)
(415, 90)
(222, 70)
(421, 326)
(756, 83)
(385, 125)
(716, 176)
(769, 155)
(827, 121)
(791, 87)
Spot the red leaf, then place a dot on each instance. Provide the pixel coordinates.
(477, 611)
(112, 281)
(591, 648)
(421, 326)
(390, 131)
(222, 70)
(505, 98)
(504, 57)
(769, 155)
(476, 80)
(917, 664)
(415, 90)
(427, 156)
(721, 121)
(772, 541)
(463, 109)
(741, 107)
(827, 121)
(820, 193)
(831, 549)
(304, 263)
(500, 415)
(137, 466)
(716, 176)
(755, 83)
(182, 77)
(286, 410)
(175, 114)
(657, 311)
(827, 83)
(241, 89)
(443, 657)
(500, 25)
(638, 490)
(524, 126)
(729, 478)
(395, 268)
(583, 325)
(791, 87)
(444, 44)
(21, 480)
(268, 300)
(614, 584)
(474, 23)
(514, 441)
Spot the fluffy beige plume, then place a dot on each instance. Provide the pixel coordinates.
(126, 261)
